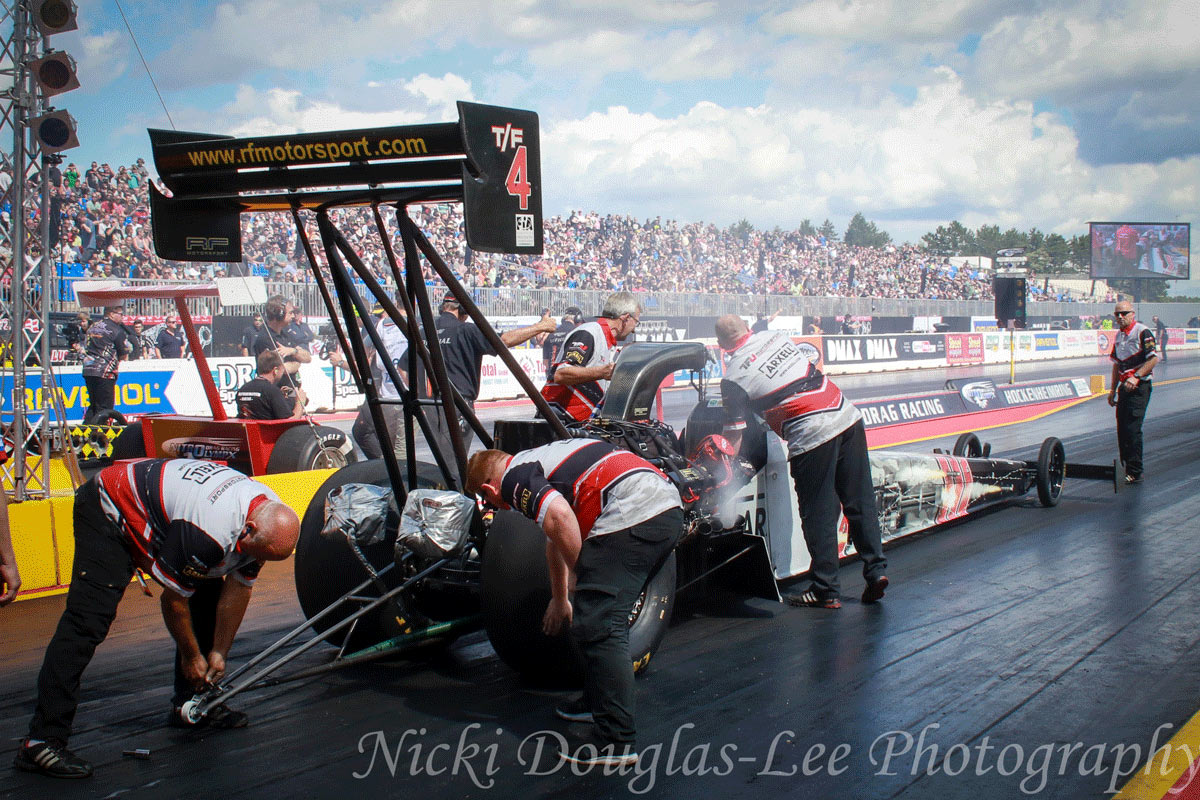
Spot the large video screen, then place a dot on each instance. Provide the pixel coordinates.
(1141, 250)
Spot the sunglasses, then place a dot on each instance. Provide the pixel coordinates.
(1121, 313)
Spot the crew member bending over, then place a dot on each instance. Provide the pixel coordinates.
(201, 530)
(768, 376)
(611, 519)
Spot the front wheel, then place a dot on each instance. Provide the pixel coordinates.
(1051, 471)
(307, 447)
(968, 445)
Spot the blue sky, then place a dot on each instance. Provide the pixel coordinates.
(1025, 114)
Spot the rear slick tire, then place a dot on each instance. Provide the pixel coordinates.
(516, 590)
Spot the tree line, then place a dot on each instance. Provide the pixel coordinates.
(1048, 253)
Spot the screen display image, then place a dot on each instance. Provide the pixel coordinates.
(1141, 250)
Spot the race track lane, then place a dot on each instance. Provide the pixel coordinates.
(1009, 640)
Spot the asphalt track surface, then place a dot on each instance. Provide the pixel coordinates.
(1008, 640)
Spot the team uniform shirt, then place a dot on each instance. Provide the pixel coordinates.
(249, 334)
(608, 488)
(591, 344)
(170, 344)
(183, 518)
(106, 343)
(267, 339)
(768, 375)
(554, 342)
(1132, 349)
(463, 346)
(395, 342)
(261, 399)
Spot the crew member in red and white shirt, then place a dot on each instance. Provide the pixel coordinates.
(1134, 354)
(201, 530)
(611, 518)
(578, 377)
(769, 377)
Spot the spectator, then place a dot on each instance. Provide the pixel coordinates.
(250, 333)
(171, 342)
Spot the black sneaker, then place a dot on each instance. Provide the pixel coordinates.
(592, 751)
(576, 710)
(809, 598)
(874, 591)
(220, 717)
(51, 758)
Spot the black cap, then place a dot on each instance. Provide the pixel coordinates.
(575, 311)
(449, 298)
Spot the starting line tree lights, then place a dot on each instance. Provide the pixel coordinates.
(36, 132)
(54, 73)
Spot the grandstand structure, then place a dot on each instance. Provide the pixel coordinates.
(32, 408)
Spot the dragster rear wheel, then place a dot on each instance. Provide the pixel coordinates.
(968, 445)
(1051, 471)
(326, 570)
(516, 590)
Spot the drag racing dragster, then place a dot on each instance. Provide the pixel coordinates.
(374, 579)
(391, 554)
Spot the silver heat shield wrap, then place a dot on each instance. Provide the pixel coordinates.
(435, 523)
(355, 513)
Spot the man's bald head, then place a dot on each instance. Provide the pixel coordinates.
(275, 531)
(730, 328)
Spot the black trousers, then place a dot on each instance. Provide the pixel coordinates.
(363, 431)
(203, 607)
(101, 396)
(837, 476)
(1131, 411)
(610, 574)
(102, 569)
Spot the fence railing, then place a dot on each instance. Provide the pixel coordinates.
(514, 301)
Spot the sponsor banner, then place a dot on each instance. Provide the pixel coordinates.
(978, 394)
(964, 348)
(882, 349)
(1045, 341)
(139, 391)
(966, 396)
(811, 347)
(922, 347)
(896, 411)
(1044, 392)
(984, 324)
(1191, 337)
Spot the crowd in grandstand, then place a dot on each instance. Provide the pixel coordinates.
(101, 228)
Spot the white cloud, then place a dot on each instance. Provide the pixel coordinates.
(1068, 50)
(997, 162)
(102, 59)
(874, 20)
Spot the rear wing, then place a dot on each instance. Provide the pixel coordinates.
(490, 160)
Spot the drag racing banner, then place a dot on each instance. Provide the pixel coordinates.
(968, 396)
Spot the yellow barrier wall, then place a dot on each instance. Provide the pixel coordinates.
(44, 541)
